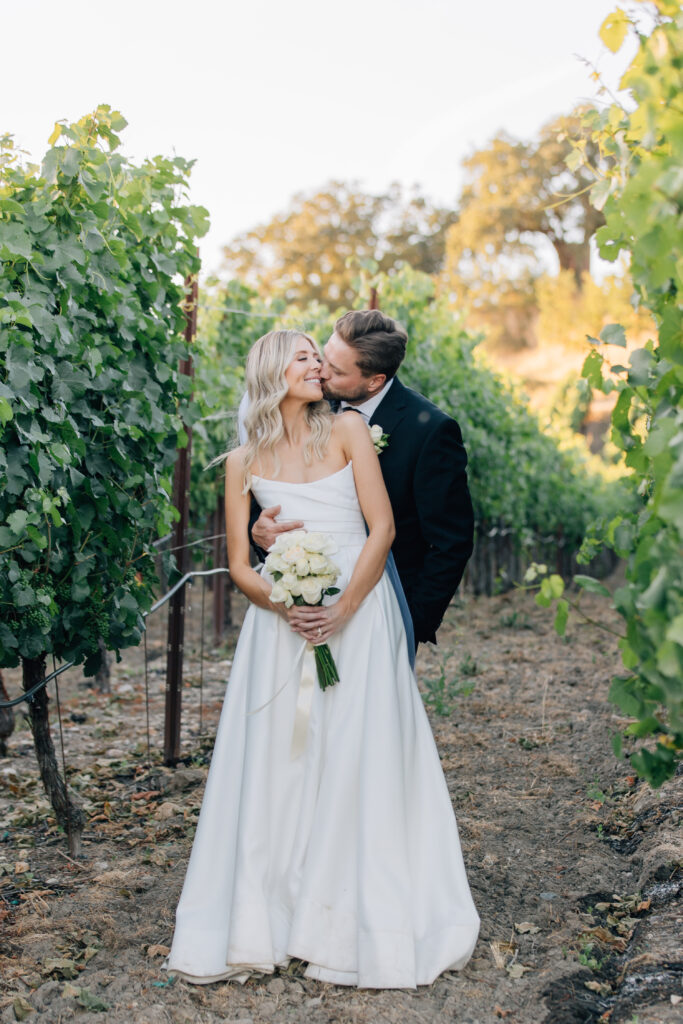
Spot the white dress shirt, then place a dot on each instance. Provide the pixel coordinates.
(367, 408)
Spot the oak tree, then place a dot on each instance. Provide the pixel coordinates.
(311, 251)
(518, 198)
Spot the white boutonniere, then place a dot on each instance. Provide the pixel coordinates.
(379, 438)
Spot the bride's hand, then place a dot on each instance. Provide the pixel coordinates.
(284, 613)
(318, 623)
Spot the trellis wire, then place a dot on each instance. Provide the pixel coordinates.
(29, 694)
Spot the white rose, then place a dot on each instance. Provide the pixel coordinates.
(276, 563)
(327, 580)
(302, 567)
(292, 582)
(287, 540)
(379, 439)
(314, 541)
(293, 554)
(311, 591)
(318, 563)
(280, 595)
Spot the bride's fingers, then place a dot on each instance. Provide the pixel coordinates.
(313, 635)
(307, 611)
(310, 634)
(314, 628)
(302, 619)
(315, 632)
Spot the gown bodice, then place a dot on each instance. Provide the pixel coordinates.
(329, 505)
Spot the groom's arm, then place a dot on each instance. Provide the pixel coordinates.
(263, 522)
(447, 523)
(254, 513)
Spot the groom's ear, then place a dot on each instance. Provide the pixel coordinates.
(376, 383)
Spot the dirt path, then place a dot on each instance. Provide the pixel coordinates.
(572, 862)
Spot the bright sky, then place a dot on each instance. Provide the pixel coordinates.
(277, 96)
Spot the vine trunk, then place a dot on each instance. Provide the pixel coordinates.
(69, 815)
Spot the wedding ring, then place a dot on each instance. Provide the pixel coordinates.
(320, 632)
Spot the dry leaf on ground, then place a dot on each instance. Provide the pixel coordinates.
(158, 950)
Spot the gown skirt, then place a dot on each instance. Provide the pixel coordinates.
(344, 852)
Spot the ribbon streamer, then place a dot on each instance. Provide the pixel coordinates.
(304, 700)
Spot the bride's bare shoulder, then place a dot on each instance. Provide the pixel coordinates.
(348, 426)
(234, 465)
(345, 423)
(236, 456)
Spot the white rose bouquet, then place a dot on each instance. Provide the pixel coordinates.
(304, 573)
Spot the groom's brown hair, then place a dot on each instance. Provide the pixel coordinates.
(379, 341)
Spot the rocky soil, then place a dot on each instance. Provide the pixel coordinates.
(574, 863)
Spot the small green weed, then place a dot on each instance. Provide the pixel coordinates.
(441, 695)
(593, 792)
(468, 666)
(587, 956)
(515, 620)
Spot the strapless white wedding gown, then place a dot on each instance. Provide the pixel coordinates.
(346, 856)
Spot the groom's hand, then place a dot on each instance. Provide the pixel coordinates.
(265, 530)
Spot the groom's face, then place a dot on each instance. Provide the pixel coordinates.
(340, 376)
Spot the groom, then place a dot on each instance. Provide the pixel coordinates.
(423, 464)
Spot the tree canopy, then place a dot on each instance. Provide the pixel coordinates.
(517, 195)
(311, 251)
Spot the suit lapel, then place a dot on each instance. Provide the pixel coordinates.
(391, 409)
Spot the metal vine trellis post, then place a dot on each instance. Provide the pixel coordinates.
(181, 500)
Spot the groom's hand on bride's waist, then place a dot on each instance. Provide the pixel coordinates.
(266, 530)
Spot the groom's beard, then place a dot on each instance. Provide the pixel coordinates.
(360, 394)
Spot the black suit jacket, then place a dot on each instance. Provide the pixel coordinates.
(424, 469)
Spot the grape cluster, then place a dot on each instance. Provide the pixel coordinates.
(38, 616)
(54, 621)
(100, 623)
(86, 621)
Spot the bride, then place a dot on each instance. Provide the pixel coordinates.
(343, 850)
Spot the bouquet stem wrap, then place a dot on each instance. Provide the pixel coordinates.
(325, 666)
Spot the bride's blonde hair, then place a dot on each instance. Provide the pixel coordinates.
(267, 362)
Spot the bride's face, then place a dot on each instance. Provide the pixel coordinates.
(303, 373)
